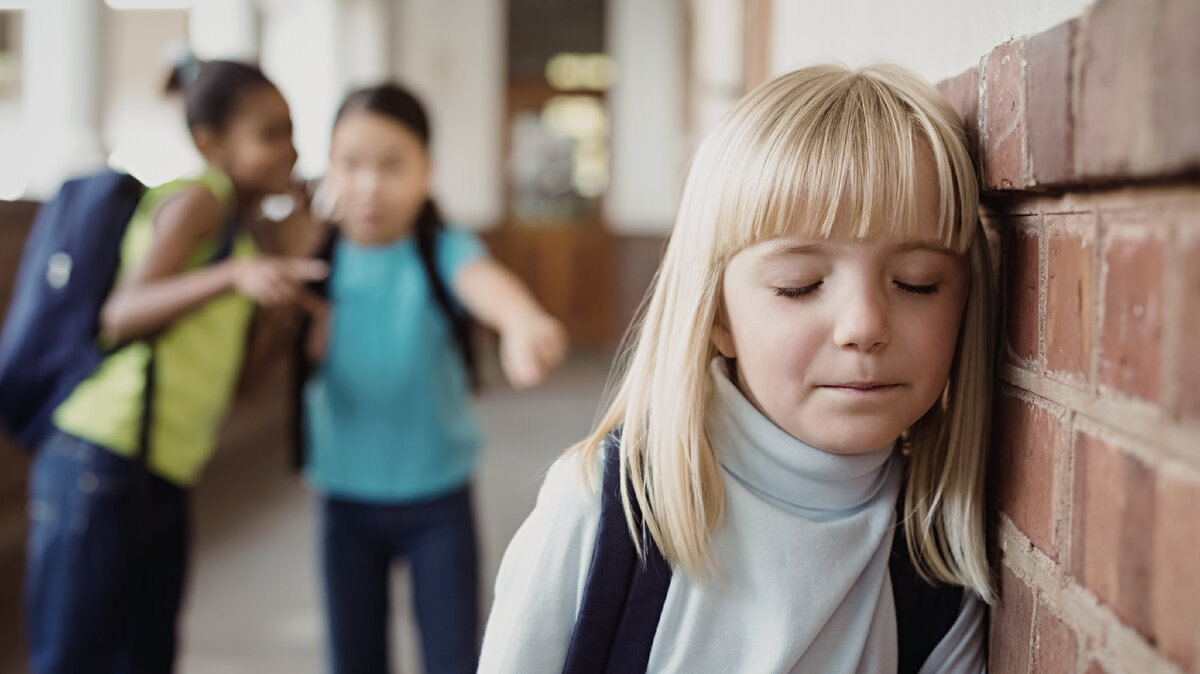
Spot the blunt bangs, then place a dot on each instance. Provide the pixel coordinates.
(829, 152)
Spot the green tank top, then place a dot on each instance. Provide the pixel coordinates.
(197, 360)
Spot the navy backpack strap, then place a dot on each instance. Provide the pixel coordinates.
(225, 244)
(301, 368)
(924, 612)
(623, 596)
(224, 249)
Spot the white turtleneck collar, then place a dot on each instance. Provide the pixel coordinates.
(782, 469)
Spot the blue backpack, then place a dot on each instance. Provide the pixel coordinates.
(67, 269)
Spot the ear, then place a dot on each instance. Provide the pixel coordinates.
(208, 141)
(722, 336)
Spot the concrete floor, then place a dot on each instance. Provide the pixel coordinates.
(253, 600)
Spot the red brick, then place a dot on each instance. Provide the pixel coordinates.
(1003, 155)
(962, 91)
(1137, 541)
(1112, 531)
(1030, 438)
(1175, 590)
(1176, 94)
(1069, 315)
(1131, 337)
(1022, 261)
(1048, 105)
(1057, 646)
(1012, 624)
(995, 241)
(1186, 361)
(1114, 132)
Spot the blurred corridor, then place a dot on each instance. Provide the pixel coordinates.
(253, 603)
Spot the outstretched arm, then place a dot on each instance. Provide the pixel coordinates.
(532, 342)
(160, 291)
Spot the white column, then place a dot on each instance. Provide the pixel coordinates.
(451, 54)
(224, 29)
(62, 77)
(649, 148)
(301, 54)
(364, 36)
(717, 60)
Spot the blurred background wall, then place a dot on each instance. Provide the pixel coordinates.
(563, 130)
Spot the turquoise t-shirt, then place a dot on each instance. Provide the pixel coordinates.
(388, 412)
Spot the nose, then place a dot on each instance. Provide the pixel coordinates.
(862, 322)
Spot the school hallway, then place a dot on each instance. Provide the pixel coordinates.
(253, 603)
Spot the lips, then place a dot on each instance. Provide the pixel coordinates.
(865, 385)
(862, 388)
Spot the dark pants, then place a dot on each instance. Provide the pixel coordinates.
(358, 544)
(106, 561)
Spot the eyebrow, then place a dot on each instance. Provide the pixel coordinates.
(926, 246)
(786, 250)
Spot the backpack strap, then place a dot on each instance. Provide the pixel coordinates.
(301, 367)
(924, 612)
(224, 249)
(142, 452)
(429, 228)
(623, 596)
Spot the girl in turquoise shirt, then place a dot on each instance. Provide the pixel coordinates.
(391, 434)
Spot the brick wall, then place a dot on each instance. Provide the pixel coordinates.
(1088, 139)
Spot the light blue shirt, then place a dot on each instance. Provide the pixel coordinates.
(388, 413)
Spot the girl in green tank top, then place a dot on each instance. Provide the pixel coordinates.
(179, 315)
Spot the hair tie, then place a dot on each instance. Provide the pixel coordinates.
(183, 62)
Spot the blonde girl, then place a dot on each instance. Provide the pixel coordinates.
(805, 400)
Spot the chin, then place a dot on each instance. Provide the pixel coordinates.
(853, 441)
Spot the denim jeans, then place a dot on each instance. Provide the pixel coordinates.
(106, 561)
(360, 541)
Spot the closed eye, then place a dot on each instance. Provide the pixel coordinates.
(793, 293)
(917, 289)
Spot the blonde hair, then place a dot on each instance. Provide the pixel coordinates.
(815, 146)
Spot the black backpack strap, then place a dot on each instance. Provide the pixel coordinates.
(224, 249)
(623, 596)
(924, 612)
(226, 241)
(301, 367)
(428, 229)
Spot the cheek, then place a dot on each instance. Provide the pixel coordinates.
(256, 158)
(776, 340)
(932, 344)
